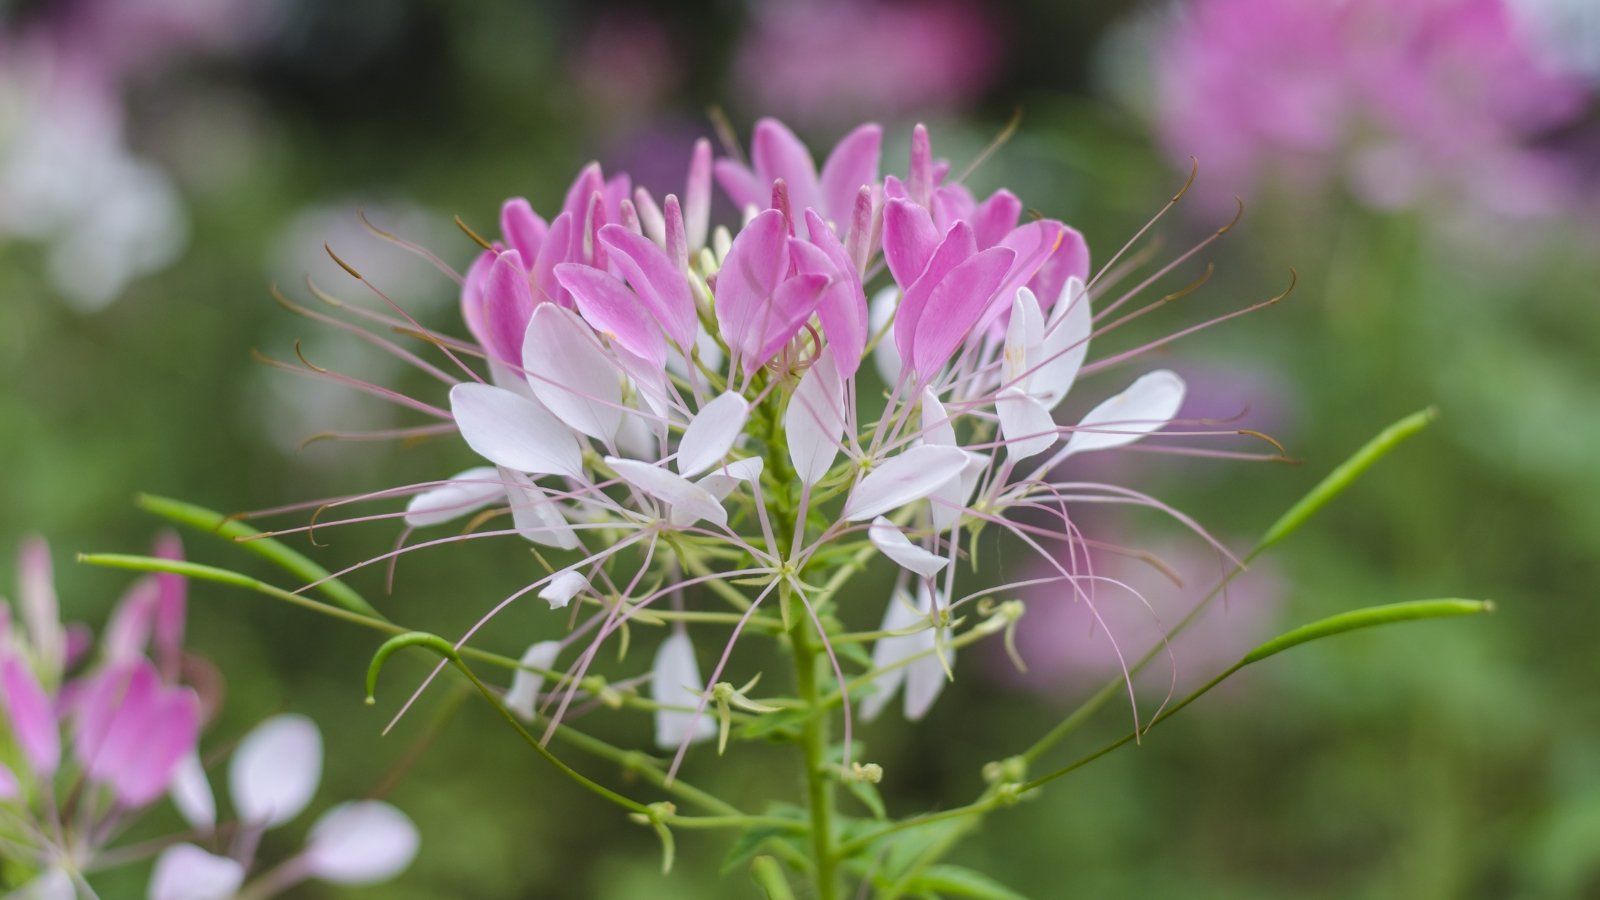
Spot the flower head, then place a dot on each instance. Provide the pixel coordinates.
(674, 407)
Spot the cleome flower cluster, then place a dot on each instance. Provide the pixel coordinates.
(94, 739)
(674, 406)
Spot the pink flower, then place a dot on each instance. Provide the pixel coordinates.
(1082, 631)
(824, 62)
(639, 390)
(1398, 102)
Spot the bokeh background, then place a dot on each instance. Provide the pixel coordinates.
(1430, 168)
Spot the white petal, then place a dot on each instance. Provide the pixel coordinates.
(636, 440)
(895, 545)
(900, 616)
(570, 374)
(948, 502)
(363, 842)
(513, 431)
(1023, 334)
(885, 357)
(937, 426)
(562, 588)
(675, 681)
(275, 770)
(1066, 343)
(185, 872)
(681, 494)
(912, 475)
(1025, 423)
(463, 493)
(721, 482)
(649, 379)
(534, 515)
(1147, 405)
(926, 676)
(191, 793)
(712, 433)
(525, 686)
(54, 884)
(814, 420)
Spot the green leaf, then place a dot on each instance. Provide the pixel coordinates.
(1346, 474)
(768, 875)
(1366, 618)
(961, 882)
(750, 840)
(783, 725)
(867, 793)
(1353, 620)
(270, 549)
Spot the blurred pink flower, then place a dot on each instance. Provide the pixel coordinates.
(1071, 643)
(626, 65)
(1400, 101)
(821, 62)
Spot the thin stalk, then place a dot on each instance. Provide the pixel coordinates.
(814, 753)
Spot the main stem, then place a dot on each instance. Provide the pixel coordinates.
(814, 751)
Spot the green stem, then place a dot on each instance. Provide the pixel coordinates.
(814, 751)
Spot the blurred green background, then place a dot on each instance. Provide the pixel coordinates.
(1457, 760)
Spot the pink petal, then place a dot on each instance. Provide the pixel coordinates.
(676, 238)
(651, 220)
(843, 307)
(792, 306)
(507, 306)
(512, 431)
(36, 598)
(957, 247)
(909, 240)
(920, 180)
(995, 218)
(902, 479)
(275, 770)
(955, 306)
(171, 733)
(814, 420)
(777, 153)
(128, 630)
(465, 492)
(523, 229)
(556, 250)
(740, 184)
(363, 842)
(9, 788)
(32, 721)
(712, 433)
(697, 196)
(852, 164)
(750, 276)
(570, 374)
(660, 284)
(613, 310)
(1146, 406)
(171, 608)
